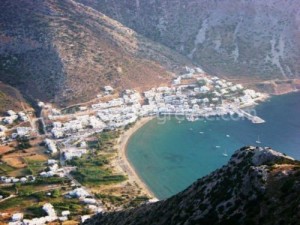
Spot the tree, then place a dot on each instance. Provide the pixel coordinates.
(56, 193)
(17, 186)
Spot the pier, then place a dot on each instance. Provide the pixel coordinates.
(253, 119)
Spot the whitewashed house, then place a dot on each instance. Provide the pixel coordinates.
(23, 131)
(78, 193)
(17, 217)
(51, 146)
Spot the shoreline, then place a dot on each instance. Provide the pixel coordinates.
(124, 163)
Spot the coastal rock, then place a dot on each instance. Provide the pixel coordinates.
(257, 186)
(265, 155)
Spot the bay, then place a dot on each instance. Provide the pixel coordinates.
(171, 156)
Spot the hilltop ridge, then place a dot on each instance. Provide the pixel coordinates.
(248, 40)
(257, 186)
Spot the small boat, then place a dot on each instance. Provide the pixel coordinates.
(258, 141)
(191, 118)
(201, 132)
(225, 153)
(218, 146)
(228, 135)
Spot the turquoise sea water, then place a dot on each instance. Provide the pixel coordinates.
(170, 157)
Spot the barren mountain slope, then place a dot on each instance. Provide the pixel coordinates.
(65, 51)
(236, 38)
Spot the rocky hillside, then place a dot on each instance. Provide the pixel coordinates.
(236, 38)
(257, 186)
(65, 51)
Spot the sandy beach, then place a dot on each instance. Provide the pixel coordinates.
(123, 162)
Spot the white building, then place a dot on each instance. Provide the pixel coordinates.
(41, 104)
(2, 134)
(177, 81)
(11, 113)
(239, 86)
(73, 152)
(84, 218)
(57, 133)
(89, 201)
(17, 217)
(57, 124)
(108, 90)
(78, 193)
(49, 209)
(63, 218)
(47, 174)
(51, 146)
(3, 128)
(51, 162)
(23, 131)
(65, 213)
(204, 89)
(10, 119)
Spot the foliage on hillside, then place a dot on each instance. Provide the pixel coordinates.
(257, 186)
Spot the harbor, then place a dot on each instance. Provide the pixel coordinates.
(179, 153)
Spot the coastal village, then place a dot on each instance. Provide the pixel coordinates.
(66, 149)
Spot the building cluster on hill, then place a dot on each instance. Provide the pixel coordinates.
(53, 169)
(23, 180)
(90, 202)
(60, 130)
(12, 116)
(18, 218)
(11, 126)
(51, 214)
(191, 94)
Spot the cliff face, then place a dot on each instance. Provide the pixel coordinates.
(65, 52)
(257, 186)
(231, 37)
